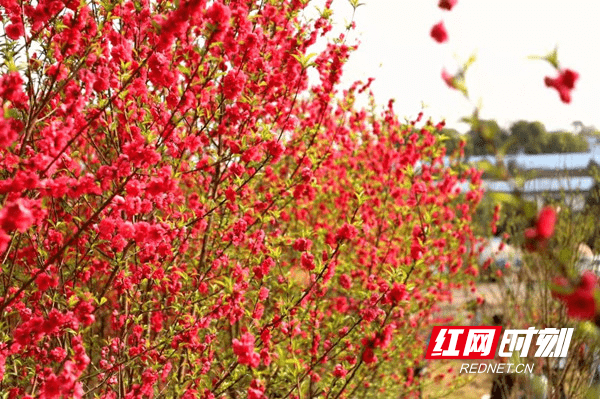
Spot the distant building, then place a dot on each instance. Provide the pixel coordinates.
(555, 169)
(574, 189)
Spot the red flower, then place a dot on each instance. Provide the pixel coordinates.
(447, 4)
(4, 240)
(537, 237)
(45, 281)
(11, 88)
(15, 30)
(569, 77)
(7, 134)
(346, 232)
(563, 83)
(449, 79)
(546, 222)
(233, 84)
(16, 216)
(339, 371)
(302, 244)
(580, 302)
(256, 390)
(438, 32)
(307, 260)
(397, 293)
(345, 281)
(244, 349)
(368, 356)
(275, 149)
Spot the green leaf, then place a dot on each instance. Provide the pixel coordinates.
(503, 149)
(593, 392)
(460, 85)
(492, 170)
(184, 70)
(72, 301)
(565, 255)
(505, 198)
(355, 4)
(469, 62)
(304, 60)
(184, 276)
(552, 58)
(442, 137)
(530, 210)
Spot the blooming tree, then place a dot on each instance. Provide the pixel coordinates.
(184, 214)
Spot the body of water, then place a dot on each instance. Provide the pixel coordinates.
(559, 162)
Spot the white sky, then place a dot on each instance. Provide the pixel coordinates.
(396, 49)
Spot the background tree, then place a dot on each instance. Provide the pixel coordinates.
(529, 137)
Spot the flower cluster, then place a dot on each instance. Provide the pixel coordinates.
(183, 212)
(563, 83)
(579, 296)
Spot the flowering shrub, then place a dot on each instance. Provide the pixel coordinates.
(183, 214)
(550, 289)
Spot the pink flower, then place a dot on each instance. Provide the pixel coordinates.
(580, 302)
(537, 237)
(159, 70)
(7, 134)
(449, 79)
(244, 349)
(447, 4)
(302, 244)
(156, 321)
(569, 77)
(4, 240)
(263, 293)
(368, 355)
(218, 14)
(346, 232)
(11, 87)
(233, 84)
(275, 149)
(438, 32)
(45, 281)
(256, 390)
(16, 216)
(397, 293)
(307, 260)
(546, 222)
(345, 281)
(339, 371)
(15, 30)
(563, 83)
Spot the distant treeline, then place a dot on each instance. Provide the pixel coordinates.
(529, 137)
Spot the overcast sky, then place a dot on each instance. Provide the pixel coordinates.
(396, 49)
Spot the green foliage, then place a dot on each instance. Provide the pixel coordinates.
(488, 138)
